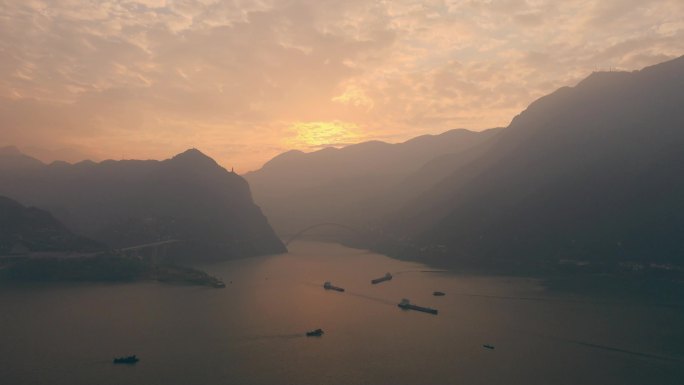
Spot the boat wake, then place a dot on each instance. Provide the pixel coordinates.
(371, 298)
(570, 300)
(625, 351)
(604, 347)
(420, 271)
(358, 295)
(273, 337)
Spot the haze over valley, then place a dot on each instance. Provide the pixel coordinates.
(298, 192)
(589, 174)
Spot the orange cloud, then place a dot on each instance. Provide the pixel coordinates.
(145, 79)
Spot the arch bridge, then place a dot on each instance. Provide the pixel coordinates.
(302, 232)
(159, 250)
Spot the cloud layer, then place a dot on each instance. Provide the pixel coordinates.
(244, 80)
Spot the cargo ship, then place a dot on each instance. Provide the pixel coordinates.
(315, 333)
(329, 286)
(386, 277)
(126, 360)
(406, 305)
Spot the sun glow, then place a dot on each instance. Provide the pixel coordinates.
(324, 134)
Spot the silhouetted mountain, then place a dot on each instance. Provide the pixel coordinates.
(12, 159)
(592, 172)
(347, 185)
(28, 229)
(130, 202)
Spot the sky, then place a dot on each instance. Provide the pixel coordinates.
(245, 80)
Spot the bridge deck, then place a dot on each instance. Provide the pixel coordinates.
(148, 245)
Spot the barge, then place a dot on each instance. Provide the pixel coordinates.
(127, 360)
(386, 277)
(329, 286)
(407, 305)
(315, 333)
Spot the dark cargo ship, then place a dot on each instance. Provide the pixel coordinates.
(315, 333)
(386, 277)
(126, 360)
(406, 305)
(329, 286)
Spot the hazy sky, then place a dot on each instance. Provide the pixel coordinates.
(245, 80)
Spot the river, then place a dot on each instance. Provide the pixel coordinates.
(252, 332)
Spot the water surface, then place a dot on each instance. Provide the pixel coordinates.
(252, 332)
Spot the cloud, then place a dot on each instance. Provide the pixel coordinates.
(354, 96)
(233, 77)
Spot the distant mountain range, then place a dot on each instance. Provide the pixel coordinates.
(14, 161)
(351, 184)
(587, 173)
(591, 173)
(125, 203)
(29, 229)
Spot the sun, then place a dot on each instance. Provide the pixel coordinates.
(323, 134)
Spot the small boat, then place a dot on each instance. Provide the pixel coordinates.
(386, 277)
(329, 286)
(438, 293)
(488, 346)
(126, 360)
(407, 305)
(315, 333)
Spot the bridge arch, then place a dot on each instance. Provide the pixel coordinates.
(317, 225)
(158, 249)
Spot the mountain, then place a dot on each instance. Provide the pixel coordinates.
(189, 198)
(29, 229)
(349, 184)
(11, 159)
(591, 172)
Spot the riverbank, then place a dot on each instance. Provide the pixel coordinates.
(642, 281)
(101, 268)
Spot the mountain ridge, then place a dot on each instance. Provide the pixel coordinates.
(570, 177)
(29, 229)
(129, 202)
(298, 189)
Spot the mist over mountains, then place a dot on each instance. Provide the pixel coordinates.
(591, 172)
(353, 184)
(587, 173)
(124, 203)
